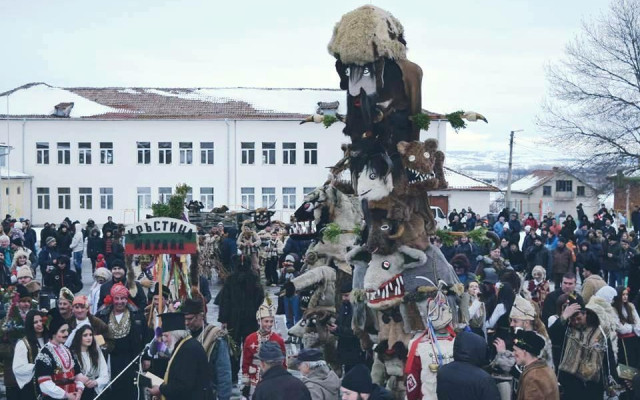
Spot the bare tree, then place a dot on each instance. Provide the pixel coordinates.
(594, 100)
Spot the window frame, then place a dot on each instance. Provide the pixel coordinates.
(248, 197)
(85, 198)
(204, 197)
(268, 153)
(248, 153)
(106, 153)
(84, 149)
(165, 153)
(564, 185)
(144, 153)
(144, 197)
(287, 203)
(163, 195)
(43, 198)
(310, 153)
(289, 153)
(268, 195)
(207, 154)
(64, 198)
(581, 191)
(186, 153)
(64, 153)
(545, 192)
(42, 153)
(106, 198)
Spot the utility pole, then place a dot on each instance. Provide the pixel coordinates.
(508, 196)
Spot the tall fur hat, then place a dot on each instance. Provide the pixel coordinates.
(367, 34)
(266, 309)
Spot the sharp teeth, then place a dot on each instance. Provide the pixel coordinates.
(401, 280)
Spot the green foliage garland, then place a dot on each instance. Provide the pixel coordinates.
(422, 121)
(174, 208)
(478, 236)
(329, 120)
(456, 121)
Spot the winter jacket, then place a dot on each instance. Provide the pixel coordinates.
(58, 278)
(63, 240)
(228, 249)
(470, 250)
(538, 382)
(109, 227)
(77, 242)
(30, 239)
(464, 378)
(278, 384)
(323, 383)
(549, 307)
(46, 257)
(562, 260)
(532, 222)
(537, 255)
(498, 228)
(612, 263)
(95, 244)
(349, 351)
(586, 259)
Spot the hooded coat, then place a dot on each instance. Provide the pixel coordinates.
(463, 378)
(323, 383)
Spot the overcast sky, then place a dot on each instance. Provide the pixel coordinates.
(485, 56)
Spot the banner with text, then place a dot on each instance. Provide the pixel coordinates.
(161, 236)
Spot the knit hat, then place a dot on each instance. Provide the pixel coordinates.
(102, 273)
(56, 323)
(522, 309)
(117, 263)
(607, 293)
(33, 287)
(267, 309)
(24, 272)
(172, 322)
(529, 341)
(270, 352)
(66, 294)
(23, 292)
(358, 379)
(50, 240)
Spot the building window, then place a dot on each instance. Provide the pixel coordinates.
(564, 186)
(580, 191)
(311, 153)
(6, 191)
(144, 152)
(106, 153)
(18, 189)
(206, 153)
(206, 197)
(268, 197)
(164, 194)
(289, 198)
(289, 153)
(43, 198)
(248, 152)
(307, 190)
(164, 152)
(268, 153)
(106, 198)
(64, 198)
(546, 190)
(85, 198)
(144, 197)
(64, 153)
(42, 150)
(84, 153)
(186, 153)
(248, 197)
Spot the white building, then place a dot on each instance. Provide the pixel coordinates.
(554, 190)
(95, 152)
(463, 192)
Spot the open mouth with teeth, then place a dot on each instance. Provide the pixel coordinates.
(417, 176)
(390, 290)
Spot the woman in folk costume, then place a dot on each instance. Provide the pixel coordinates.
(250, 362)
(249, 244)
(26, 351)
(628, 329)
(538, 285)
(91, 361)
(100, 276)
(58, 374)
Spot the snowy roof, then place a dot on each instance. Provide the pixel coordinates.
(460, 181)
(39, 100)
(532, 181)
(11, 174)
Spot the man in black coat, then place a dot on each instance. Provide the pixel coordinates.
(568, 286)
(537, 255)
(187, 374)
(464, 378)
(276, 383)
(60, 275)
(108, 226)
(349, 351)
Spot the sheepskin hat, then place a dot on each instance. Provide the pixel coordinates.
(366, 34)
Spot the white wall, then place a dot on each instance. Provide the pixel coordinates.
(459, 199)
(227, 175)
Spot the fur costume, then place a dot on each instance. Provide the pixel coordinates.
(313, 328)
(609, 321)
(329, 205)
(366, 34)
(324, 281)
(424, 166)
(262, 217)
(388, 367)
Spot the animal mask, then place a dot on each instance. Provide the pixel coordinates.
(262, 218)
(423, 164)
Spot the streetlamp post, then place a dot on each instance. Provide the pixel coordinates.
(508, 196)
